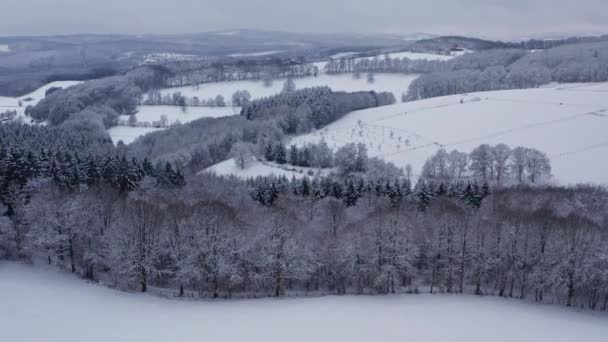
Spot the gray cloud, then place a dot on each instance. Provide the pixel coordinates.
(487, 18)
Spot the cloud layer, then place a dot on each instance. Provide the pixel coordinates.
(486, 18)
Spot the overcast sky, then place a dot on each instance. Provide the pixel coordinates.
(484, 18)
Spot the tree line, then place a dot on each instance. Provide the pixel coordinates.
(215, 238)
(583, 62)
(195, 72)
(500, 164)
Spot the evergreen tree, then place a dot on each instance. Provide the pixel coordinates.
(425, 196)
(350, 196)
(394, 193)
(127, 176)
(293, 155)
(269, 151)
(280, 154)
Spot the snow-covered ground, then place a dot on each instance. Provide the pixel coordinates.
(255, 168)
(43, 305)
(344, 54)
(394, 83)
(568, 122)
(151, 115)
(256, 54)
(175, 113)
(31, 99)
(4, 48)
(129, 134)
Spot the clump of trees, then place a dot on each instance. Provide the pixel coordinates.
(301, 110)
(499, 164)
(156, 98)
(8, 115)
(99, 100)
(347, 160)
(310, 155)
(241, 98)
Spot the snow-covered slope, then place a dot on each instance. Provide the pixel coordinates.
(43, 305)
(12, 103)
(257, 168)
(149, 116)
(128, 134)
(568, 122)
(256, 54)
(177, 114)
(394, 83)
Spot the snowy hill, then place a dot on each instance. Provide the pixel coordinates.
(148, 118)
(44, 305)
(394, 83)
(31, 99)
(568, 122)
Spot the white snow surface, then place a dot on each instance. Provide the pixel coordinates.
(394, 83)
(4, 48)
(344, 54)
(44, 305)
(568, 122)
(129, 134)
(174, 114)
(256, 54)
(262, 168)
(12, 103)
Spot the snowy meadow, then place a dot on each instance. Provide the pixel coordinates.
(64, 308)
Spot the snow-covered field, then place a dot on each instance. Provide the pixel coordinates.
(256, 54)
(344, 54)
(394, 83)
(43, 305)
(128, 134)
(229, 167)
(174, 114)
(568, 122)
(4, 48)
(31, 99)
